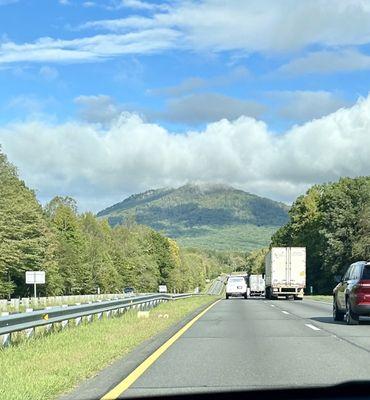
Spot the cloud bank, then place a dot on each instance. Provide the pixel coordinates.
(268, 27)
(99, 166)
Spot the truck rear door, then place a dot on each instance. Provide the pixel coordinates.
(296, 271)
(279, 273)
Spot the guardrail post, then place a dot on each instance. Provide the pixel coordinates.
(64, 323)
(99, 315)
(25, 302)
(78, 320)
(114, 312)
(3, 305)
(107, 313)
(30, 331)
(5, 339)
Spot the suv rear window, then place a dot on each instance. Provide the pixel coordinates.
(366, 272)
(239, 279)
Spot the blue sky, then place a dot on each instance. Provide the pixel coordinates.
(180, 68)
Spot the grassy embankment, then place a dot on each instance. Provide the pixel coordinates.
(320, 297)
(44, 367)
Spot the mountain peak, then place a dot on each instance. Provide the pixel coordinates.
(202, 214)
(205, 187)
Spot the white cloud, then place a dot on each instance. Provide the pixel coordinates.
(87, 162)
(304, 105)
(271, 26)
(140, 5)
(268, 26)
(101, 109)
(29, 104)
(195, 83)
(89, 48)
(326, 62)
(205, 107)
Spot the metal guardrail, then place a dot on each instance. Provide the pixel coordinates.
(28, 321)
(217, 286)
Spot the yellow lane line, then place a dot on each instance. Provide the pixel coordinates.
(136, 373)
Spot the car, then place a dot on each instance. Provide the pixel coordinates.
(351, 297)
(127, 290)
(236, 286)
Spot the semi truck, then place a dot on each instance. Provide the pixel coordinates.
(256, 285)
(285, 272)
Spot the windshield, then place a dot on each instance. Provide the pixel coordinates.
(181, 185)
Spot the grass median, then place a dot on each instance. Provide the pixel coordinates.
(320, 297)
(44, 367)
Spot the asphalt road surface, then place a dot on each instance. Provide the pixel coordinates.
(258, 343)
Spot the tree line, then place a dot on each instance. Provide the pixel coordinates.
(81, 253)
(332, 221)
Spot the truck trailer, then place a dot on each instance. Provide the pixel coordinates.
(285, 272)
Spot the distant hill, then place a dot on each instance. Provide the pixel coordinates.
(207, 216)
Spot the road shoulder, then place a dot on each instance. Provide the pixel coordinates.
(112, 375)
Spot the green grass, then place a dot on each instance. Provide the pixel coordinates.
(45, 367)
(320, 297)
(233, 238)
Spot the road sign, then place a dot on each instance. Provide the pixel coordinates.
(35, 278)
(162, 289)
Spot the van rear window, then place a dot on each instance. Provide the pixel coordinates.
(366, 272)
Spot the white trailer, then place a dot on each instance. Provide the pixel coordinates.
(285, 272)
(256, 285)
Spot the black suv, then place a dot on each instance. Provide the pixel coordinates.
(351, 297)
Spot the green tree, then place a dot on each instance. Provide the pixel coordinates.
(71, 250)
(26, 243)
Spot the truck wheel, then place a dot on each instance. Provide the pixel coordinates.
(267, 293)
(351, 317)
(337, 314)
(227, 296)
(246, 296)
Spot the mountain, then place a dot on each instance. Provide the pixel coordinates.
(207, 215)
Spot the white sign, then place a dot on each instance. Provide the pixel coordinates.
(33, 277)
(162, 289)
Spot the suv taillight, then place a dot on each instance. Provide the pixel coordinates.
(362, 291)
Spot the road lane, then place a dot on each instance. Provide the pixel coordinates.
(320, 315)
(245, 344)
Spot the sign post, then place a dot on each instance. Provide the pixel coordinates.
(35, 278)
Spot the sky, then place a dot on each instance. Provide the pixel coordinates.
(102, 99)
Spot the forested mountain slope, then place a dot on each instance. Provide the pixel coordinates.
(206, 216)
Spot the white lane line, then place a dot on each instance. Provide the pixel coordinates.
(272, 305)
(315, 328)
(285, 312)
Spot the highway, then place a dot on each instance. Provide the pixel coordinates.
(248, 344)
